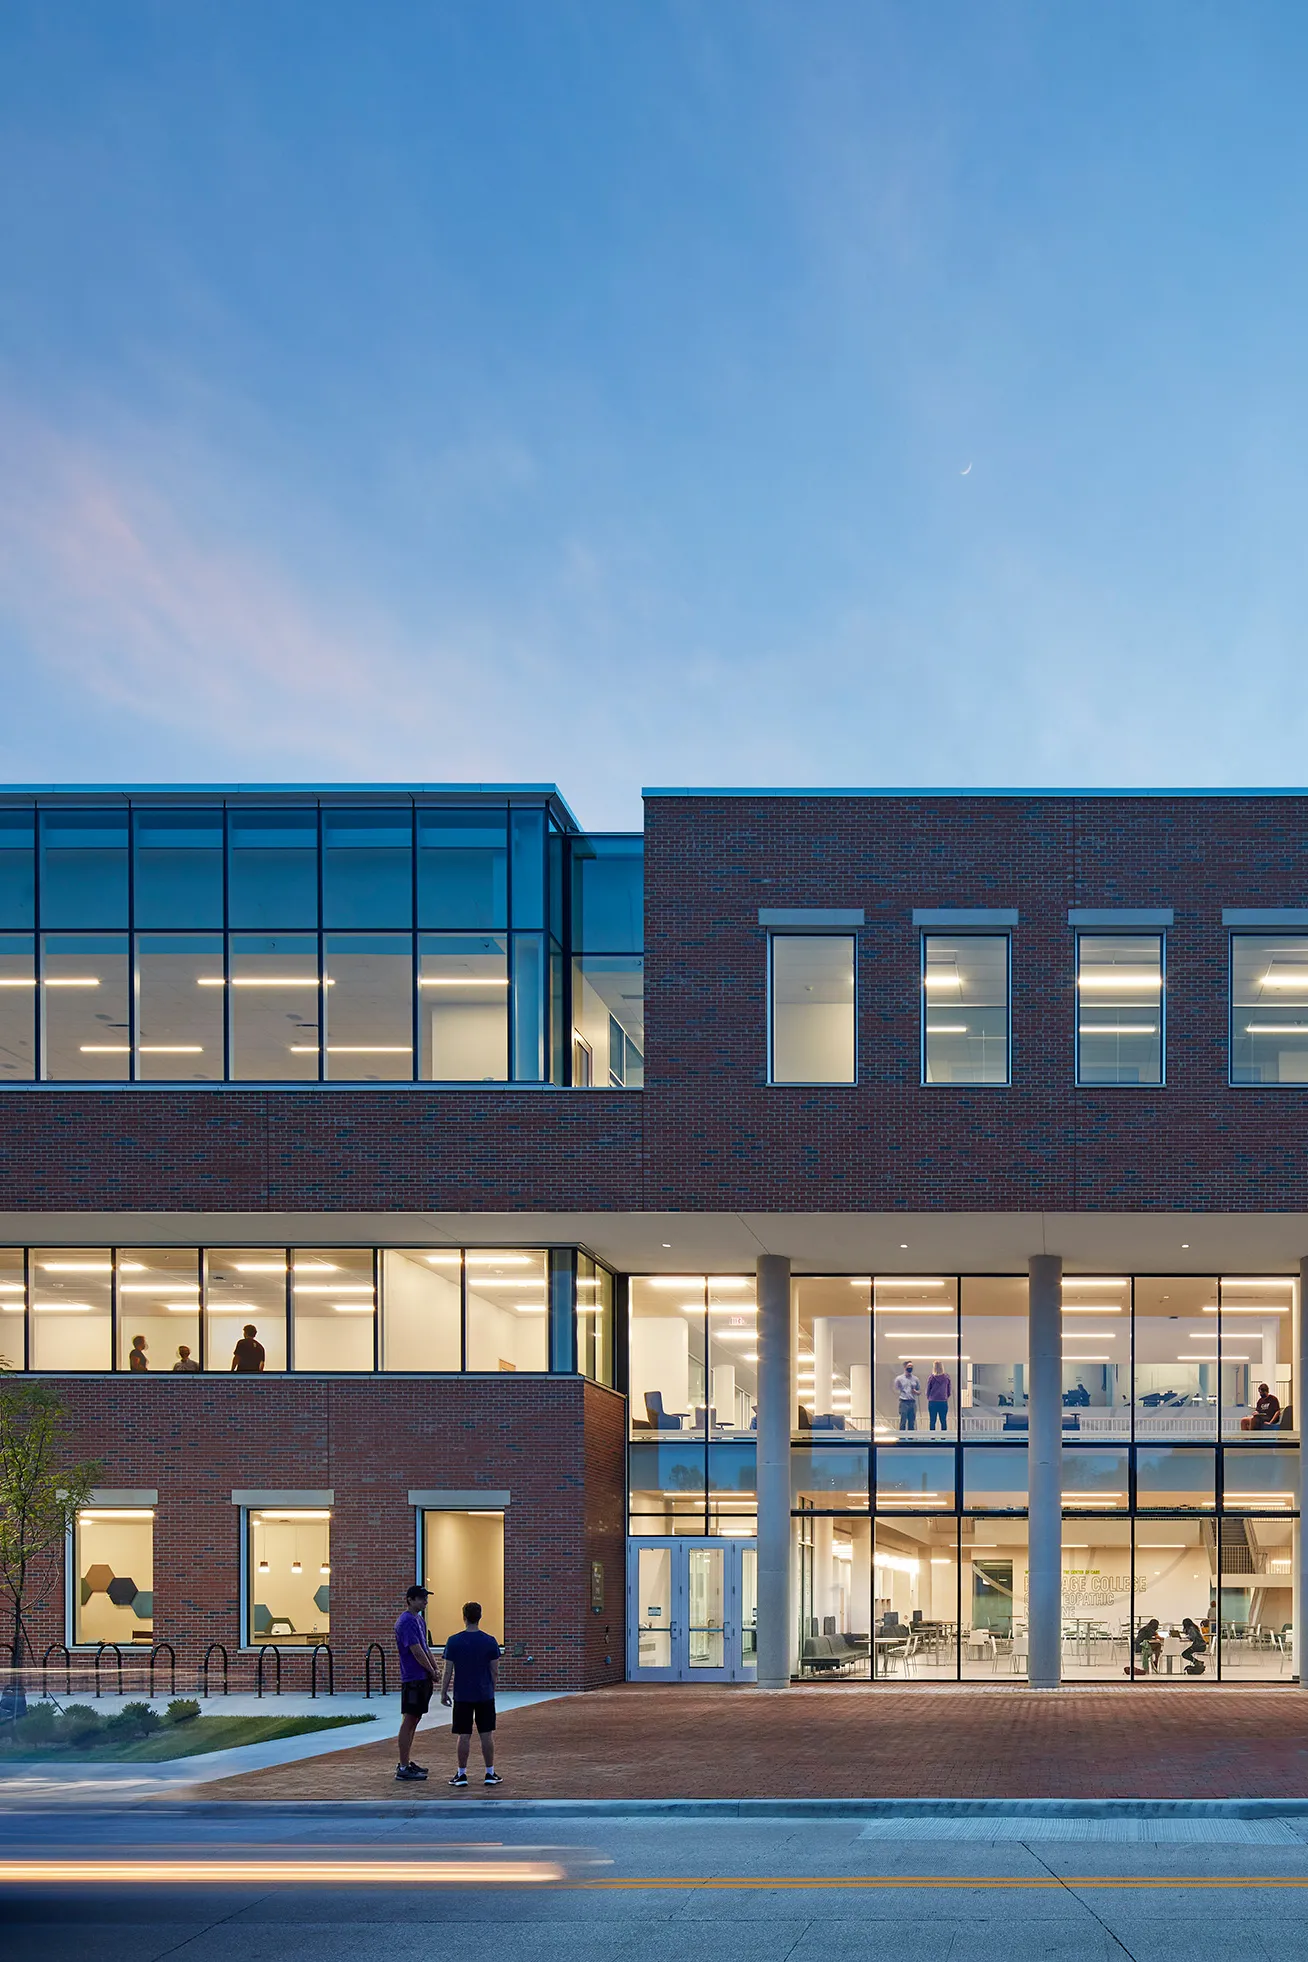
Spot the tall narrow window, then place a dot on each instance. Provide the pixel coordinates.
(1269, 1008)
(84, 986)
(812, 1008)
(1119, 1008)
(965, 1008)
(290, 1568)
(113, 1598)
(17, 1008)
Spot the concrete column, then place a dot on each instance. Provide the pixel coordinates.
(860, 1396)
(823, 1364)
(775, 1367)
(1045, 1412)
(1300, 1353)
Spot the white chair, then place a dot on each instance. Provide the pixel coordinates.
(980, 1644)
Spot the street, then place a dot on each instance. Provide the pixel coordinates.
(732, 1890)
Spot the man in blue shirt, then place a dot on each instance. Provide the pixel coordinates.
(418, 1674)
(472, 1661)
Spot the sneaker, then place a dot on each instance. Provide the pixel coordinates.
(408, 1774)
(459, 1778)
(415, 1766)
(492, 1778)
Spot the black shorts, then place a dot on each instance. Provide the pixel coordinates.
(415, 1698)
(468, 1714)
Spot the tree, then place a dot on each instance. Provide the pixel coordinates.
(41, 1491)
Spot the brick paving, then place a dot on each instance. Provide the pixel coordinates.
(645, 1742)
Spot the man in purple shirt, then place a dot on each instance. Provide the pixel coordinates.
(418, 1674)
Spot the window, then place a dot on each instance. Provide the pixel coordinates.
(1269, 1008)
(113, 1576)
(17, 1008)
(71, 1308)
(965, 1008)
(179, 869)
(422, 1309)
(13, 1308)
(245, 1301)
(915, 1343)
(333, 1309)
(274, 1007)
(289, 1577)
(463, 1007)
(1119, 1008)
(369, 1001)
(367, 868)
(273, 877)
(84, 991)
(608, 972)
(158, 1310)
(508, 1310)
(179, 1007)
(17, 868)
(594, 1320)
(812, 1008)
(463, 1560)
(84, 868)
(462, 869)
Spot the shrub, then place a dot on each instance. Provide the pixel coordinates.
(134, 1720)
(79, 1724)
(181, 1710)
(38, 1726)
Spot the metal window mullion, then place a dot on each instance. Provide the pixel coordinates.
(132, 1003)
(289, 1313)
(376, 1309)
(463, 1311)
(202, 1345)
(415, 1005)
(227, 947)
(27, 1308)
(322, 948)
(113, 1308)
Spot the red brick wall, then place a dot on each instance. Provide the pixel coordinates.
(717, 1138)
(556, 1444)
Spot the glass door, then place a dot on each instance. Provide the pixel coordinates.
(692, 1610)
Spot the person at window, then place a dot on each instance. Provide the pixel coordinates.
(1266, 1412)
(908, 1389)
(1195, 1646)
(248, 1355)
(185, 1363)
(939, 1391)
(138, 1359)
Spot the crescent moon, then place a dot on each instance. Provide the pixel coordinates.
(963, 473)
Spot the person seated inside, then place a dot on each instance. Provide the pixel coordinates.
(1266, 1415)
(1148, 1646)
(1195, 1646)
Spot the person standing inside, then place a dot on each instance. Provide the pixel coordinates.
(908, 1389)
(418, 1673)
(939, 1391)
(472, 1660)
(138, 1359)
(248, 1355)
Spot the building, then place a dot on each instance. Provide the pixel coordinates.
(854, 1236)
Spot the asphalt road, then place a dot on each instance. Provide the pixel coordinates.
(654, 1891)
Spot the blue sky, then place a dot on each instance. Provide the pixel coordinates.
(584, 392)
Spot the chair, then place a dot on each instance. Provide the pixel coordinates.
(980, 1643)
(659, 1418)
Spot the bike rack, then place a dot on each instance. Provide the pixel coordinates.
(204, 1669)
(157, 1651)
(322, 1648)
(270, 1648)
(118, 1664)
(367, 1669)
(68, 1667)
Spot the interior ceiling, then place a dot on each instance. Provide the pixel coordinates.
(689, 1243)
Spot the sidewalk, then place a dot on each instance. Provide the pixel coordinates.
(22, 1784)
(645, 1742)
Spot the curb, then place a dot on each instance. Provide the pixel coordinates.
(778, 1808)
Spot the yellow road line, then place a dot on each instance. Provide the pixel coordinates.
(816, 1883)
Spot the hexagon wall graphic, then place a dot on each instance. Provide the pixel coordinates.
(143, 1605)
(322, 1600)
(98, 1578)
(261, 1617)
(122, 1592)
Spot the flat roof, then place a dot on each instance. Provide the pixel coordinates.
(353, 792)
(974, 791)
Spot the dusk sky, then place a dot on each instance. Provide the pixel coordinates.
(643, 392)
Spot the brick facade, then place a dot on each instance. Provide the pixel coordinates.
(554, 1443)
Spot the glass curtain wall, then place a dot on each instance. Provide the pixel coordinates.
(253, 1311)
(295, 944)
(608, 969)
(693, 1370)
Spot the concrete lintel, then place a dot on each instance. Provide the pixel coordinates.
(136, 1495)
(961, 918)
(1114, 917)
(1265, 916)
(821, 917)
(257, 1499)
(439, 1500)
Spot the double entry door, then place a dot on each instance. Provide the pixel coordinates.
(692, 1610)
